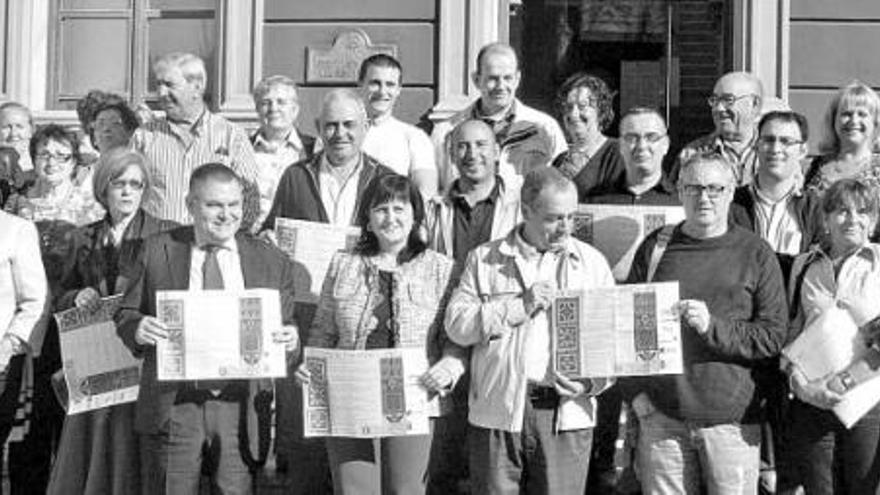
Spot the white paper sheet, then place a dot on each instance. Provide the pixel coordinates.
(366, 394)
(311, 246)
(827, 345)
(617, 230)
(99, 371)
(626, 330)
(220, 335)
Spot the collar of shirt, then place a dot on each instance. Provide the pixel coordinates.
(229, 245)
(115, 233)
(458, 198)
(824, 249)
(195, 129)
(262, 145)
(380, 119)
(498, 122)
(326, 168)
(762, 198)
(720, 145)
(520, 247)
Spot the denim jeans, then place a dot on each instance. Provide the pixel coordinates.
(679, 456)
(827, 458)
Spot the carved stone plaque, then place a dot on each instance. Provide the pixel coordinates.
(340, 62)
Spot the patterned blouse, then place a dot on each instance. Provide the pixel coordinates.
(821, 175)
(69, 203)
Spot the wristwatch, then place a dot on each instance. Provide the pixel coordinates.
(846, 379)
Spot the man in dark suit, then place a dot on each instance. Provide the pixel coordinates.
(182, 423)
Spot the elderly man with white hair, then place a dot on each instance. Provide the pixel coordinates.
(278, 142)
(188, 136)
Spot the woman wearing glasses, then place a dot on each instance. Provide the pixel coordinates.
(593, 161)
(55, 196)
(99, 253)
(851, 126)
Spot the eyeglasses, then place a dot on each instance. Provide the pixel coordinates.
(581, 105)
(650, 138)
(784, 141)
(696, 190)
(58, 157)
(108, 123)
(727, 100)
(132, 183)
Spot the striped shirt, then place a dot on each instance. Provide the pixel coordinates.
(174, 152)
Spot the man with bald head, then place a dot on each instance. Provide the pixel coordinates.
(736, 107)
(325, 188)
(526, 137)
(479, 207)
(703, 426)
(530, 426)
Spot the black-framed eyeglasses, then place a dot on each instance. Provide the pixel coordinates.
(650, 138)
(696, 190)
(784, 141)
(58, 157)
(727, 100)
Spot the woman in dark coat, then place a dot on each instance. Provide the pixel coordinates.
(99, 452)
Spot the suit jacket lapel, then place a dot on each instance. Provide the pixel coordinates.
(251, 269)
(178, 255)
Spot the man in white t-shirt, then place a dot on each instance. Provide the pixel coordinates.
(403, 147)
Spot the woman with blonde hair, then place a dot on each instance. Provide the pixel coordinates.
(850, 129)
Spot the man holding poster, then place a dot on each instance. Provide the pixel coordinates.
(703, 426)
(178, 420)
(500, 310)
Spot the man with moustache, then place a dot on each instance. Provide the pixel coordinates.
(530, 426)
(402, 147)
(643, 144)
(703, 427)
(185, 423)
(479, 207)
(277, 143)
(188, 136)
(736, 106)
(527, 137)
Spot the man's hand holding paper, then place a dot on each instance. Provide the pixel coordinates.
(150, 330)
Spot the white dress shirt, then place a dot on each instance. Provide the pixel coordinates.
(339, 196)
(227, 258)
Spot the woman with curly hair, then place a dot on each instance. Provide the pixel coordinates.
(593, 161)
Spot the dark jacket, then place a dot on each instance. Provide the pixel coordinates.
(298, 195)
(163, 264)
(806, 206)
(88, 265)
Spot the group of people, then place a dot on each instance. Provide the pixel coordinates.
(466, 236)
